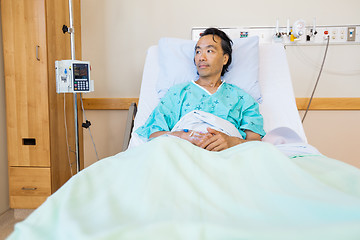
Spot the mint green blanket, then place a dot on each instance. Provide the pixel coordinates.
(170, 189)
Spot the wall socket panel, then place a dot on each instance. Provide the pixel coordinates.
(351, 34)
(344, 34)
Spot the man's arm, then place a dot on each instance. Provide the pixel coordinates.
(194, 137)
(158, 134)
(251, 136)
(180, 134)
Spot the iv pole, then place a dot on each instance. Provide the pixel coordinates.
(72, 42)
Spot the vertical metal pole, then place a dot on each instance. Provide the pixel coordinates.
(72, 41)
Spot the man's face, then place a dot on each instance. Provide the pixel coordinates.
(209, 56)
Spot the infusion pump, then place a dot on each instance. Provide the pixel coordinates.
(73, 76)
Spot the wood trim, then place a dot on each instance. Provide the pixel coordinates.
(329, 103)
(316, 104)
(108, 103)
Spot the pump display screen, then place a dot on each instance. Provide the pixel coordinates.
(80, 71)
(81, 76)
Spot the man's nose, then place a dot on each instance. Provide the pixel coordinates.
(202, 57)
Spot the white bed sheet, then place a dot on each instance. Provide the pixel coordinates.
(278, 107)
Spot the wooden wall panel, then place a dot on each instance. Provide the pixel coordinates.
(59, 49)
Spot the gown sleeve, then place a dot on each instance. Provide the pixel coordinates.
(251, 118)
(163, 117)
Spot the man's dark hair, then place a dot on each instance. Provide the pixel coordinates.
(225, 44)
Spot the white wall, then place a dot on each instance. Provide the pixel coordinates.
(116, 35)
(4, 189)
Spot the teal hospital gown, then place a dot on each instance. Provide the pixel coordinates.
(229, 102)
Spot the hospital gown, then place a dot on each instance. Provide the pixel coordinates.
(229, 102)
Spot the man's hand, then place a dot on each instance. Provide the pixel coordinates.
(220, 141)
(196, 138)
(212, 140)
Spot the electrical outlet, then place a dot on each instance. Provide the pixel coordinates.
(351, 33)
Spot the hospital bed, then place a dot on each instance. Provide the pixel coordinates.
(281, 188)
(264, 74)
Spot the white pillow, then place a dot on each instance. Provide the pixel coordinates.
(176, 62)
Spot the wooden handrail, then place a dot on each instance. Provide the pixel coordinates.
(108, 103)
(316, 104)
(329, 103)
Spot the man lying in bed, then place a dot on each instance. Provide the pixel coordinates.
(208, 98)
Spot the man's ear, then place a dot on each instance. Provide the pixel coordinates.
(226, 58)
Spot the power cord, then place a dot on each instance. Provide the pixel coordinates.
(87, 125)
(310, 62)
(317, 80)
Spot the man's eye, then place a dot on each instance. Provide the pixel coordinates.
(209, 51)
(197, 52)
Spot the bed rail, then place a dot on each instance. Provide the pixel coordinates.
(129, 125)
